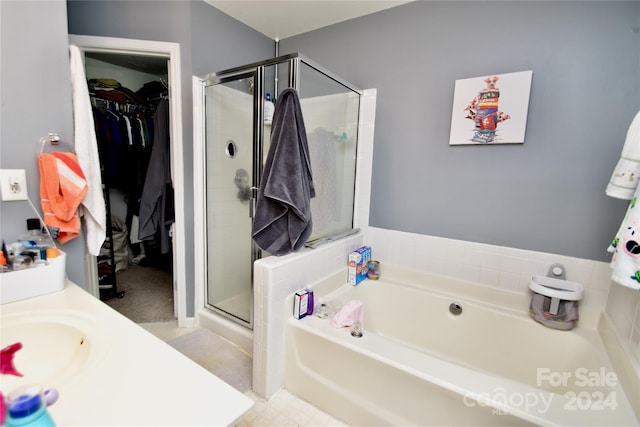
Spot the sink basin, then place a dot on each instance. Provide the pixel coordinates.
(56, 345)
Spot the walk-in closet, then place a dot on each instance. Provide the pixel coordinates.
(129, 95)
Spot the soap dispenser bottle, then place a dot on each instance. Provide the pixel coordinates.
(269, 108)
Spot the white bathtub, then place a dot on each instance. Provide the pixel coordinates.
(418, 364)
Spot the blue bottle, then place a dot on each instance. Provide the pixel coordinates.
(27, 408)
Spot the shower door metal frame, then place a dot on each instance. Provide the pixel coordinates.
(256, 253)
(294, 60)
(257, 69)
(258, 148)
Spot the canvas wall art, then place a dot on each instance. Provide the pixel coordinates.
(490, 109)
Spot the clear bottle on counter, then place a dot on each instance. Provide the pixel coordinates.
(34, 236)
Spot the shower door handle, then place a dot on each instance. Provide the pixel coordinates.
(253, 202)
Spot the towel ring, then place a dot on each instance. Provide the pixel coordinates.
(53, 138)
(55, 141)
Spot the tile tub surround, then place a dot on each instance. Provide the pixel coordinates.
(623, 335)
(623, 307)
(500, 267)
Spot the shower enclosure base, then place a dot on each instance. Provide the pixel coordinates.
(240, 336)
(239, 305)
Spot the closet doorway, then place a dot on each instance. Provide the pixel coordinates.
(153, 267)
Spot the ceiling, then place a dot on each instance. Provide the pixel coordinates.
(285, 18)
(277, 19)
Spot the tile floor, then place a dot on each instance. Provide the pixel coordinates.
(283, 409)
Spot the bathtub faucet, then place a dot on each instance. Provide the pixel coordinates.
(356, 329)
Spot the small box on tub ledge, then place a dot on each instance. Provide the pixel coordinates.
(359, 264)
(33, 282)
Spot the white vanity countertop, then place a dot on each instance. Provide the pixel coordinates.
(132, 378)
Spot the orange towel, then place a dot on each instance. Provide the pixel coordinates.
(62, 188)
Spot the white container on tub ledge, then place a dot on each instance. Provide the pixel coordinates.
(555, 302)
(557, 290)
(32, 282)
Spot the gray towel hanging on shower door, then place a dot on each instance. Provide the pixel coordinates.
(282, 220)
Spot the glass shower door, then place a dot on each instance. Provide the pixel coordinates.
(229, 105)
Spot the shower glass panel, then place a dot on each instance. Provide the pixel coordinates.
(330, 112)
(237, 140)
(229, 158)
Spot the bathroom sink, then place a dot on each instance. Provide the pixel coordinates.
(56, 345)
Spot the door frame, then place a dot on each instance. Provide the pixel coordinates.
(199, 194)
(171, 51)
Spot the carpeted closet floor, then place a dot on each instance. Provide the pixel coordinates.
(148, 294)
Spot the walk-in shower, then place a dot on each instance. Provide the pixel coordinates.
(236, 143)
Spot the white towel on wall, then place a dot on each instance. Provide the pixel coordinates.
(626, 174)
(86, 147)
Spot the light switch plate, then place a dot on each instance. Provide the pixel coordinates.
(13, 184)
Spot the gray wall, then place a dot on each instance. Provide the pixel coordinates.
(545, 195)
(35, 100)
(219, 42)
